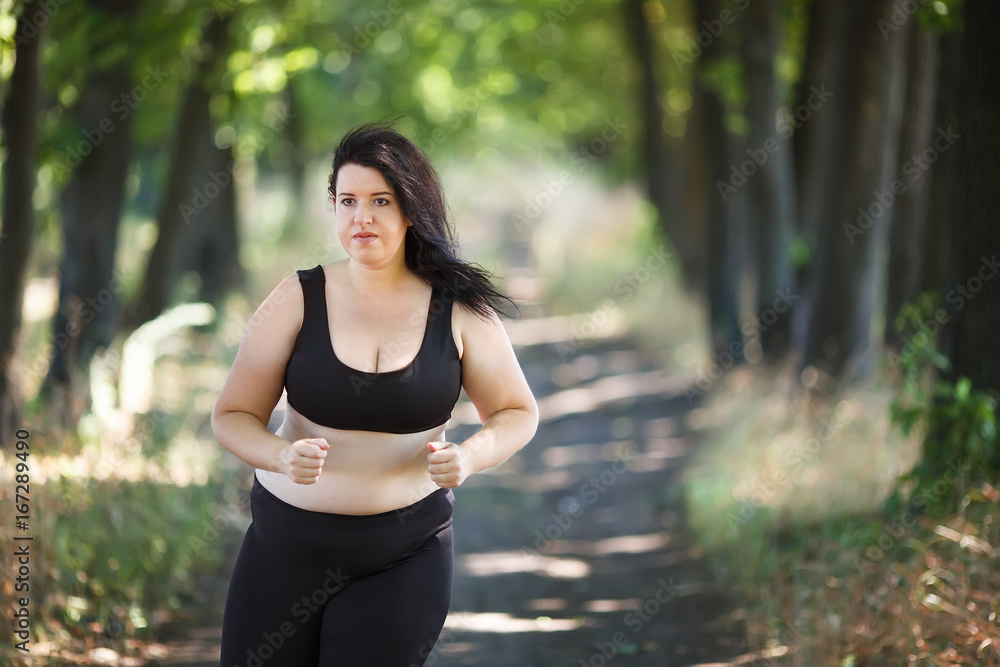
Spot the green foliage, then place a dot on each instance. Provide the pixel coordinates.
(800, 252)
(120, 554)
(944, 15)
(958, 422)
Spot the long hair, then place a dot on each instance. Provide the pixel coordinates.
(430, 248)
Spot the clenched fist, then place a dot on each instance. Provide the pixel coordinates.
(302, 461)
(447, 463)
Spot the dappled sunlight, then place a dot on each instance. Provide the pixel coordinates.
(467, 621)
(144, 346)
(507, 562)
(598, 394)
(557, 456)
(547, 480)
(749, 658)
(185, 461)
(665, 448)
(573, 330)
(608, 606)
(608, 390)
(646, 463)
(552, 604)
(631, 544)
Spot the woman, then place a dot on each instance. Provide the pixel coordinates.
(348, 560)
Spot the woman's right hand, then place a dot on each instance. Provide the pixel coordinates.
(302, 460)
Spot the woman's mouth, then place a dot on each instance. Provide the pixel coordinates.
(364, 236)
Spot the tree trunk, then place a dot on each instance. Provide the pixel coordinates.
(855, 218)
(186, 194)
(724, 261)
(770, 187)
(211, 246)
(91, 206)
(295, 131)
(817, 121)
(659, 157)
(818, 125)
(973, 300)
(906, 238)
(937, 235)
(17, 122)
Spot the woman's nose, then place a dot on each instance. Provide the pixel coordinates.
(363, 213)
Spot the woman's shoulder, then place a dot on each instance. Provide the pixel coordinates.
(326, 272)
(468, 320)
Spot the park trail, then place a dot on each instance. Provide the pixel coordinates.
(576, 552)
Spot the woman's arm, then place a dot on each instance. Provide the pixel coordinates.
(494, 382)
(254, 385)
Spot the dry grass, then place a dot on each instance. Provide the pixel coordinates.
(786, 494)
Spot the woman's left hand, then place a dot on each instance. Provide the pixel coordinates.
(447, 463)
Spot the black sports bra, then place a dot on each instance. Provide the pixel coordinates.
(415, 398)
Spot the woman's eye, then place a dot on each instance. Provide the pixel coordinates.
(382, 202)
(346, 201)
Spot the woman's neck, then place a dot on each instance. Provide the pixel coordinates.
(377, 282)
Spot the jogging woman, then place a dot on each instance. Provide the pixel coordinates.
(348, 560)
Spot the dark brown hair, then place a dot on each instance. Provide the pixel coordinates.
(431, 251)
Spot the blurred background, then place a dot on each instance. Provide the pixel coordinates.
(753, 243)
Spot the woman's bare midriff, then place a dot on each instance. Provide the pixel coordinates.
(365, 472)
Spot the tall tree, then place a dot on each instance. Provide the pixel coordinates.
(91, 205)
(211, 242)
(906, 237)
(818, 128)
(937, 232)
(855, 214)
(17, 122)
(192, 138)
(660, 157)
(972, 342)
(724, 261)
(770, 189)
(818, 120)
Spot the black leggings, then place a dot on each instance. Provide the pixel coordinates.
(317, 589)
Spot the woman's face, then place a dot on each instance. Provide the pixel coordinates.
(370, 220)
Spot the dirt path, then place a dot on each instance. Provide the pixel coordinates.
(575, 552)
